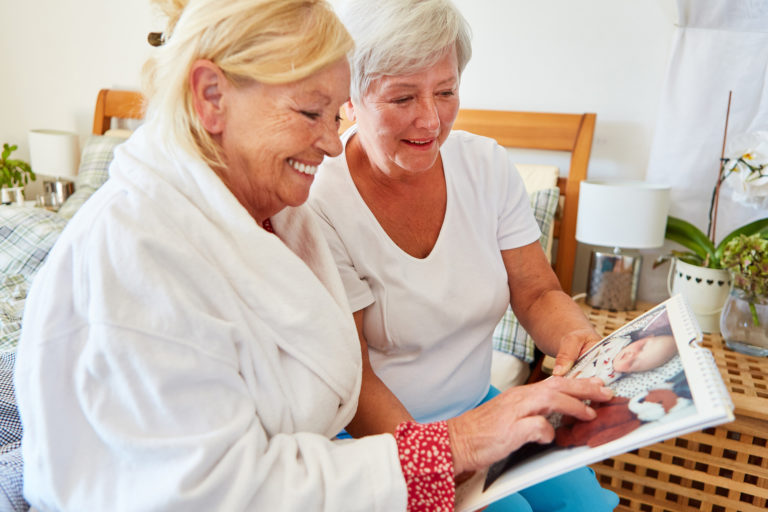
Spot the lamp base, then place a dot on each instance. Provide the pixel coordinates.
(612, 281)
(58, 191)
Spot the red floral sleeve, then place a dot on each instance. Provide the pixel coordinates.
(425, 456)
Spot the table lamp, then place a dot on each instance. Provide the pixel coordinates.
(55, 153)
(619, 214)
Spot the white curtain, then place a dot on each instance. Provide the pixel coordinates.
(719, 46)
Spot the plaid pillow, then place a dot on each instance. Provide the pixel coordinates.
(93, 172)
(509, 336)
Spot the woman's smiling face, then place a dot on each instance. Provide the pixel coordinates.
(275, 136)
(403, 120)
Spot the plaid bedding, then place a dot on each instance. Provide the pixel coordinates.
(26, 236)
(11, 466)
(509, 336)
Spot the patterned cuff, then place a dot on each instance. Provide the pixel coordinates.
(425, 457)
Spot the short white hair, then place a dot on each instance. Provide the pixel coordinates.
(398, 37)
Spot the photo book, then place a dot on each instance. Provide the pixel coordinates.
(665, 385)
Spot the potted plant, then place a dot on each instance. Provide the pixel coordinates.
(14, 174)
(702, 251)
(698, 271)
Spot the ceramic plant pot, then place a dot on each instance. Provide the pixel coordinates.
(12, 195)
(705, 289)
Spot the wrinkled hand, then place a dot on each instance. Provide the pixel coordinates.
(491, 431)
(571, 347)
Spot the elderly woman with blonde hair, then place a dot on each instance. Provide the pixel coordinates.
(199, 353)
(434, 237)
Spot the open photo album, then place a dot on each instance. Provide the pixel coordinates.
(665, 385)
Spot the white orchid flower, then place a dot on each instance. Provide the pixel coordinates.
(745, 169)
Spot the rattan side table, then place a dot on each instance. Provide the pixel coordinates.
(722, 469)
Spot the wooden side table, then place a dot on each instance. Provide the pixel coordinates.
(721, 469)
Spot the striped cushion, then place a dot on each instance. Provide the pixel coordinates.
(509, 336)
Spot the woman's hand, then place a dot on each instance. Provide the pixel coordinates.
(573, 345)
(490, 432)
(551, 317)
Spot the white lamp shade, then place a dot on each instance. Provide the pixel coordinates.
(54, 153)
(630, 214)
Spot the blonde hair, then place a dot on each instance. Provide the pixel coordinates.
(269, 41)
(399, 37)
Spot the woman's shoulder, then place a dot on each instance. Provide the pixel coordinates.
(481, 160)
(474, 150)
(461, 140)
(332, 182)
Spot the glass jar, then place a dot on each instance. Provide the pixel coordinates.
(744, 322)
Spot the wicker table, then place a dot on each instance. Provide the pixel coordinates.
(720, 469)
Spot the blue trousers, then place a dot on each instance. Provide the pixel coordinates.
(575, 491)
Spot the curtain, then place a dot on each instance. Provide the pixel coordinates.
(719, 46)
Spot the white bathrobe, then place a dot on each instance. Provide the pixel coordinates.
(176, 356)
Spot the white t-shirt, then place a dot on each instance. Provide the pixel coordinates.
(429, 321)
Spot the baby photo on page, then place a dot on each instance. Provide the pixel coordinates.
(642, 366)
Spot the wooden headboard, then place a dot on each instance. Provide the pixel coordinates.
(548, 131)
(528, 130)
(119, 104)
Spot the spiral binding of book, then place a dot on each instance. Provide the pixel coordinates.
(716, 389)
(688, 321)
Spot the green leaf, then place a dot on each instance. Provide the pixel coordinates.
(758, 227)
(14, 172)
(690, 237)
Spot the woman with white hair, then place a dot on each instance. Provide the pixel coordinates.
(434, 237)
(199, 352)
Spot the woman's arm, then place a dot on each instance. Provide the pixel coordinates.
(378, 410)
(548, 314)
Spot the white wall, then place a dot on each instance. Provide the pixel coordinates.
(57, 54)
(603, 56)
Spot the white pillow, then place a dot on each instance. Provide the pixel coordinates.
(537, 176)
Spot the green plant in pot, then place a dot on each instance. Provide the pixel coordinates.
(701, 251)
(14, 173)
(698, 271)
(744, 321)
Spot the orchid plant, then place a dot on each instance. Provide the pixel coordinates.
(744, 174)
